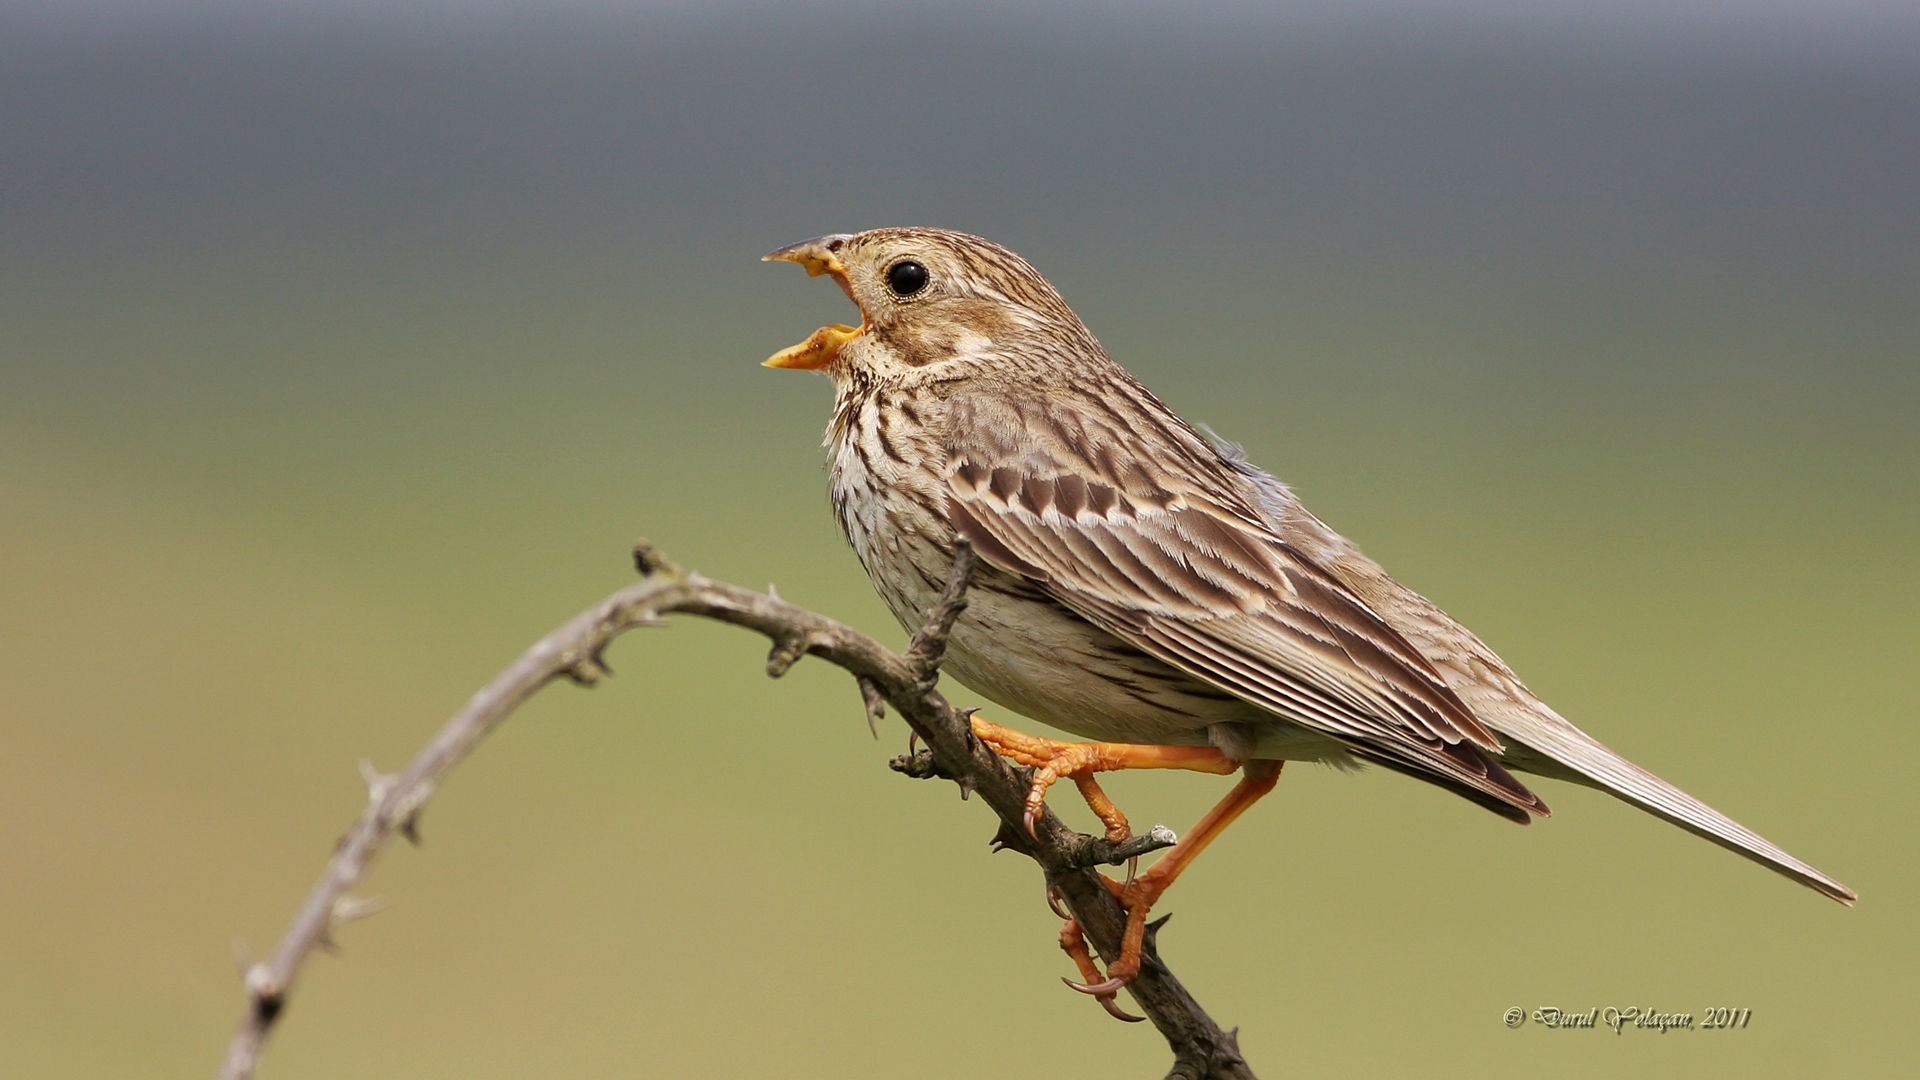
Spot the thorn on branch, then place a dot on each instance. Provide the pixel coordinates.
(346, 908)
(787, 652)
(405, 811)
(876, 706)
(1153, 928)
(349, 908)
(1009, 838)
(378, 783)
(1202, 1059)
(1150, 946)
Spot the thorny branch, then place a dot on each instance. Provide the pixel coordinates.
(1202, 1051)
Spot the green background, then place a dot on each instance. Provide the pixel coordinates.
(344, 353)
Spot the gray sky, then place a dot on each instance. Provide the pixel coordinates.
(1772, 144)
(1727, 16)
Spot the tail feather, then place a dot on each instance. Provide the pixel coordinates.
(1538, 739)
(1565, 752)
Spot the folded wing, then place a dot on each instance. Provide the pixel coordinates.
(1164, 552)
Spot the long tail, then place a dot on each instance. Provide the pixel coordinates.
(1565, 752)
(1538, 739)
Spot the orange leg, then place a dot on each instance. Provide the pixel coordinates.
(1052, 760)
(1139, 895)
(1074, 944)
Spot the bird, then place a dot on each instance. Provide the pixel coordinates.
(1142, 585)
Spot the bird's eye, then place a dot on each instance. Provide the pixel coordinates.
(906, 277)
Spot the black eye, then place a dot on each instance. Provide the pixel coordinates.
(906, 277)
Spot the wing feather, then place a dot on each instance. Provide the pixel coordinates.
(1182, 567)
(1540, 740)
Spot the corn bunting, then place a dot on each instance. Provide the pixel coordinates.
(1144, 585)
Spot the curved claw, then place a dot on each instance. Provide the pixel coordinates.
(1107, 988)
(1106, 1000)
(1053, 904)
(1031, 820)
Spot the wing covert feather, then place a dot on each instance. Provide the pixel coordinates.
(1178, 563)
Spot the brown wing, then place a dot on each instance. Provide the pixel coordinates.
(1127, 518)
(1539, 740)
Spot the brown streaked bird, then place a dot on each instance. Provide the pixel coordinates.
(1144, 585)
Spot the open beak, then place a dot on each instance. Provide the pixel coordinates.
(820, 348)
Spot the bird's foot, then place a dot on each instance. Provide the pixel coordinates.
(1137, 895)
(1074, 944)
(1053, 760)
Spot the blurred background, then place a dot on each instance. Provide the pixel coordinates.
(345, 347)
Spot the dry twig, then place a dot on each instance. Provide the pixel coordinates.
(1202, 1051)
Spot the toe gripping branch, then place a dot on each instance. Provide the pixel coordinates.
(1074, 943)
(1051, 760)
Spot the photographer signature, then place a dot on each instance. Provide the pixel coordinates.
(1633, 1016)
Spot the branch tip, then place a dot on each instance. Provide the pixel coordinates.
(919, 765)
(1092, 851)
(929, 643)
(650, 560)
(265, 995)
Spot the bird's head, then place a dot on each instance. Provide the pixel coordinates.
(928, 298)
